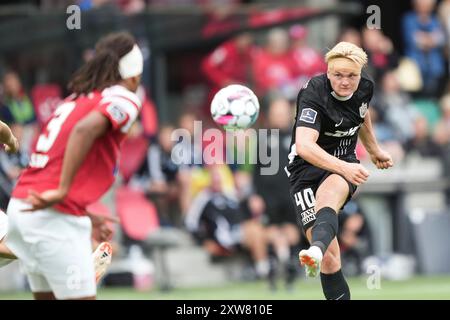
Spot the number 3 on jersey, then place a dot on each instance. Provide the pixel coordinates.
(46, 140)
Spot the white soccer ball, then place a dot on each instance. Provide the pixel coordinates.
(235, 107)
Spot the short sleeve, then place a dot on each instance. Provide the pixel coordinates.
(309, 112)
(120, 111)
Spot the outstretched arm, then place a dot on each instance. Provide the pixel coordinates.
(379, 157)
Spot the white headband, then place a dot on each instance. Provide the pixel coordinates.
(131, 64)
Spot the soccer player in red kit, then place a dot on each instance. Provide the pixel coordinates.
(72, 166)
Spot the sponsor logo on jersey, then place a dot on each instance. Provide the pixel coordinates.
(116, 113)
(363, 110)
(308, 115)
(347, 133)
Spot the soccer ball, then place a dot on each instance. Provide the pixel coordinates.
(235, 107)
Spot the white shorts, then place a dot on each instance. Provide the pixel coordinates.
(55, 250)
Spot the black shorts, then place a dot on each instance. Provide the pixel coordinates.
(304, 182)
(279, 209)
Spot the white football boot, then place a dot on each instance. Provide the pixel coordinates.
(102, 259)
(311, 259)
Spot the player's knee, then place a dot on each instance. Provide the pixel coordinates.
(331, 262)
(327, 199)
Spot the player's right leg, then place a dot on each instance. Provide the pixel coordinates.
(102, 259)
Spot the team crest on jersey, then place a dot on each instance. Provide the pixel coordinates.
(305, 85)
(116, 113)
(363, 109)
(308, 115)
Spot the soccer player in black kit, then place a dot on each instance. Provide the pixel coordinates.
(323, 169)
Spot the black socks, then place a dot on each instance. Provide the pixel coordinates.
(325, 228)
(323, 232)
(334, 286)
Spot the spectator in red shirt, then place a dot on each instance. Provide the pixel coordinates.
(307, 61)
(273, 65)
(229, 63)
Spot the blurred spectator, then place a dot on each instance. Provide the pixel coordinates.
(273, 191)
(244, 154)
(386, 137)
(190, 156)
(354, 238)
(380, 52)
(222, 16)
(442, 136)
(229, 64)
(442, 130)
(444, 17)
(421, 142)
(131, 6)
(86, 5)
(351, 35)
(273, 66)
(18, 112)
(217, 220)
(307, 61)
(424, 40)
(395, 107)
(158, 178)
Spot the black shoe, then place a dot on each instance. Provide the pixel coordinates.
(272, 276)
(291, 274)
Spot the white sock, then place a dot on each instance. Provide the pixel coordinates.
(283, 254)
(262, 268)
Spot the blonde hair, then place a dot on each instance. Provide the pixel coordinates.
(349, 51)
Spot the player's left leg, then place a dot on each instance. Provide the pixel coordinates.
(330, 197)
(324, 251)
(334, 285)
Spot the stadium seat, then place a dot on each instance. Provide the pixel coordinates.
(137, 214)
(140, 222)
(430, 233)
(46, 98)
(133, 153)
(149, 118)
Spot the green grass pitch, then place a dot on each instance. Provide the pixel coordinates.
(436, 287)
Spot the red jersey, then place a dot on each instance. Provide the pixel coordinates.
(96, 174)
(272, 72)
(227, 64)
(308, 62)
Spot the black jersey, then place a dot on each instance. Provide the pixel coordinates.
(337, 121)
